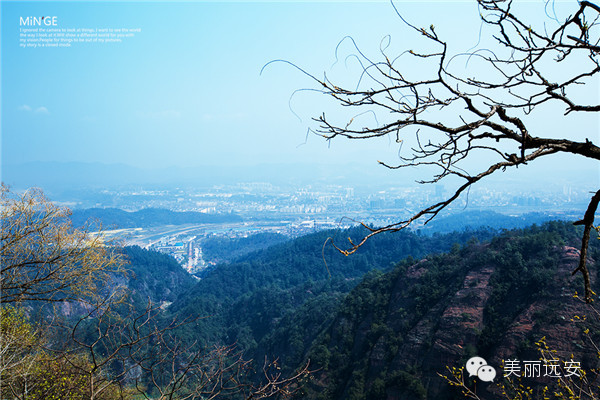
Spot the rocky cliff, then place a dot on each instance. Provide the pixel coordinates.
(396, 332)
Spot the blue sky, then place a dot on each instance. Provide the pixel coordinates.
(186, 91)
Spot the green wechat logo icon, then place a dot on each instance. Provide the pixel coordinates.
(477, 366)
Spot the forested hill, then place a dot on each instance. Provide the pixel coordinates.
(245, 300)
(155, 277)
(392, 316)
(112, 218)
(224, 249)
(393, 333)
(472, 219)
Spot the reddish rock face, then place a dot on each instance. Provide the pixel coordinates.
(491, 309)
(417, 270)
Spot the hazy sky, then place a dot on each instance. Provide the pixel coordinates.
(186, 90)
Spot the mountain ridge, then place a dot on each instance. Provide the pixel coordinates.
(394, 333)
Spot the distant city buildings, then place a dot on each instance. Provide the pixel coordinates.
(295, 211)
(259, 199)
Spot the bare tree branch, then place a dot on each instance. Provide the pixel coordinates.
(453, 116)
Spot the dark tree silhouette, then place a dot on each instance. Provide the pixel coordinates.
(526, 70)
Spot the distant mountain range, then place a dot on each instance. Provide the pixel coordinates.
(111, 218)
(476, 219)
(61, 176)
(147, 217)
(57, 177)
